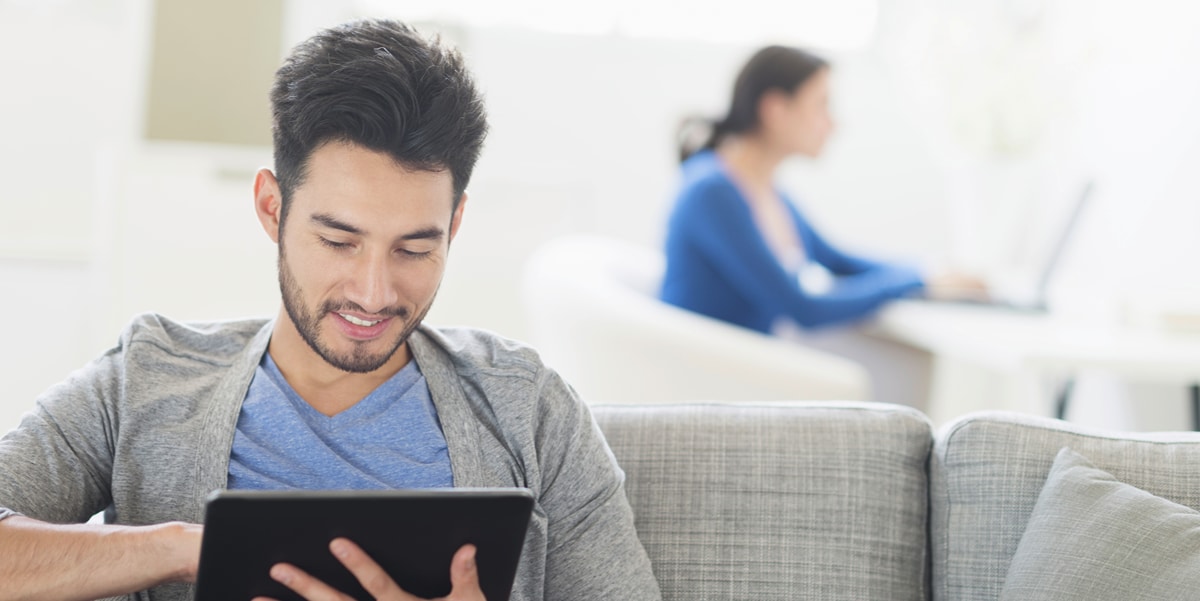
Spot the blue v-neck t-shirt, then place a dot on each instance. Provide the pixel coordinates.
(390, 439)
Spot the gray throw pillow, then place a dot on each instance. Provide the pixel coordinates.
(1093, 538)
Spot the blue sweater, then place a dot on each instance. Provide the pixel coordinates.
(719, 264)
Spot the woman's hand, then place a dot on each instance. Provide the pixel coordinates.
(953, 285)
(464, 578)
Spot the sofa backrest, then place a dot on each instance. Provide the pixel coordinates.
(778, 501)
(988, 469)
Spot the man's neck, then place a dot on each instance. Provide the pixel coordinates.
(326, 388)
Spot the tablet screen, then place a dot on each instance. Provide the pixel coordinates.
(412, 534)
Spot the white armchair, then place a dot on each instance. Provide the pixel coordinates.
(592, 306)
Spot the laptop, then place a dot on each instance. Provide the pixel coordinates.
(1033, 300)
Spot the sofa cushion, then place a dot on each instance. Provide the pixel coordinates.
(778, 501)
(1094, 538)
(986, 473)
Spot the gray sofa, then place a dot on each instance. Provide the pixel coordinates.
(863, 501)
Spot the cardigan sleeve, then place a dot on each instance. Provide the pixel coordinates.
(822, 251)
(593, 552)
(723, 230)
(56, 465)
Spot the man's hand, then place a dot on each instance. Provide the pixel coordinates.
(464, 578)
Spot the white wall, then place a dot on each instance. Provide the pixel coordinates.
(68, 93)
(582, 140)
(97, 225)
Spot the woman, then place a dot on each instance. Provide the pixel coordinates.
(740, 251)
(737, 248)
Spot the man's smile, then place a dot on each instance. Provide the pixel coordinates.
(359, 322)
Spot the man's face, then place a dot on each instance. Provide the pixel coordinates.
(362, 253)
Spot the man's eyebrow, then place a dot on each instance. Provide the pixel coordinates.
(429, 233)
(327, 220)
(335, 223)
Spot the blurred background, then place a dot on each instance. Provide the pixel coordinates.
(130, 131)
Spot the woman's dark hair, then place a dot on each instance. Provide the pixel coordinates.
(772, 68)
(381, 85)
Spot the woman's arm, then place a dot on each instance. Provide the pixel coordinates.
(719, 225)
(831, 257)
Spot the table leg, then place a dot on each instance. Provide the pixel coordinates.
(1064, 397)
(1195, 391)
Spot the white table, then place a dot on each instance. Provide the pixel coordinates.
(1035, 351)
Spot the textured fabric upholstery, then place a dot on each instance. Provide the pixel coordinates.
(1094, 538)
(987, 471)
(779, 501)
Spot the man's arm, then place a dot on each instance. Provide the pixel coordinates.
(83, 561)
(56, 472)
(592, 552)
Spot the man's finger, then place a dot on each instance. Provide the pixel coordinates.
(464, 575)
(370, 575)
(305, 585)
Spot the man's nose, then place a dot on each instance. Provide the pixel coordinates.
(370, 286)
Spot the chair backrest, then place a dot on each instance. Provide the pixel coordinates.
(592, 306)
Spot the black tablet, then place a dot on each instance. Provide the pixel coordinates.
(413, 534)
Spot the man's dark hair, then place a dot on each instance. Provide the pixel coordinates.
(381, 85)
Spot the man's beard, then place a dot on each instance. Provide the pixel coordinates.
(309, 325)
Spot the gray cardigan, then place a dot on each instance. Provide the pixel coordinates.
(149, 425)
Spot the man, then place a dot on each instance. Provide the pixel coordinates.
(376, 133)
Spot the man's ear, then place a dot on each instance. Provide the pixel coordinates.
(268, 202)
(456, 220)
